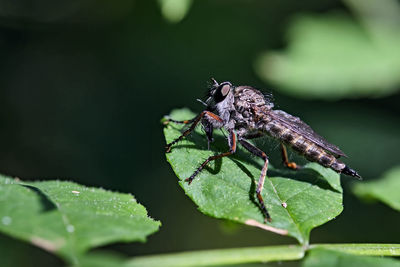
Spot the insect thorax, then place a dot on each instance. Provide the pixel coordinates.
(251, 108)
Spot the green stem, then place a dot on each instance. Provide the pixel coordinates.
(221, 256)
(363, 249)
(257, 254)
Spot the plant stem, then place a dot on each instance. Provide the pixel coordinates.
(221, 256)
(257, 254)
(363, 249)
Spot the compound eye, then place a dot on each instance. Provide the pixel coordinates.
(222, 91)
(225, 89)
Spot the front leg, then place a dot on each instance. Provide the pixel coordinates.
(211, 117)
(208, 129)
(232, 149)
(168, 120)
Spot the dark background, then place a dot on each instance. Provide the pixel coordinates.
(84, 84)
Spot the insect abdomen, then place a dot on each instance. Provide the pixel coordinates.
(308, 149)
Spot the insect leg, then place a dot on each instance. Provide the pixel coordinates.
(211, 116)
(209, 129)
(232, 145)
(253, 135)
(259, 153)
(285, 159)
(168, 120)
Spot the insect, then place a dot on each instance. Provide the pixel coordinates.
(246, 113)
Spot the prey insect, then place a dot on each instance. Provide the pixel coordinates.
(246, 113)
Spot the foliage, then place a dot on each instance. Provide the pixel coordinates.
(113, 67)
(175, 10)
(297, 201)
(351, 254)
(332, 254)
(385, 189)
(333, 57)
(330, 258)
(221, 257)
(67, 219)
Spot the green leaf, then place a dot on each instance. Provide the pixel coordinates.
(385, 189)
(175, 10)
(329, 258)
(67, 219)
(226, 188)
(334, 57)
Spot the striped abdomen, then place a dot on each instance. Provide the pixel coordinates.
(303, 146)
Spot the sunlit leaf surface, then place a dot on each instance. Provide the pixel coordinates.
(67, 218)
(297, 201)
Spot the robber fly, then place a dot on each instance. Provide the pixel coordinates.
(246, 113)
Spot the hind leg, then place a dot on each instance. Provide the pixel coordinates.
(259, 153)
(285, 159)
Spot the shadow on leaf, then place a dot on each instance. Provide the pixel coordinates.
(47, 204)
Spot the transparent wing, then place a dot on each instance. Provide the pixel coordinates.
(300, 127)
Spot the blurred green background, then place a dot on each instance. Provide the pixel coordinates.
(84, 84)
